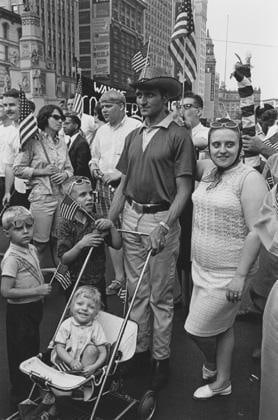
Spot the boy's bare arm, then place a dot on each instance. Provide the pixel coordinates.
(105, 226)
(9, 291)
(90, 240)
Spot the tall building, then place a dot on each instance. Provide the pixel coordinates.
(158, 28)
(10, 34)
(111, 32)
(60, 35)
(200, 20)
(229, 102)
(209, 96)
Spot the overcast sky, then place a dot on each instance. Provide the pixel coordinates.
(252, 22)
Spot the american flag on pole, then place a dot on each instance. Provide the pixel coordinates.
(62, 275)
(69, 208)
(183, 46)
(27, 122)
(77, 103)
(140, 59)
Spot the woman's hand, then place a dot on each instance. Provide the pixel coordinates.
(235, 288)
(157, 239)
(111, 177)
(104, 224)
(91, 240)
(59, 177)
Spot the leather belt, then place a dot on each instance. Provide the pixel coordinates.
(147, 208)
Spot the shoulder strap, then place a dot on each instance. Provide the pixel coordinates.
(29, 267)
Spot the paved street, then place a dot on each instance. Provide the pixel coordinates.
(175, 401)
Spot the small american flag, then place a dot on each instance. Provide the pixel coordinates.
(140, 59)
(62, 275)
(69, 208)
(27, 122)
(77, 104)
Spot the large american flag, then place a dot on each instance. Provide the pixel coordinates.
(27, 121)
(140, 59)
(77, 103)
(183, 46)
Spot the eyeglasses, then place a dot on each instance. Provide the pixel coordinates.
(79, 181)
(226, 124)
(189, 106)
(57, 117)
(20, 223)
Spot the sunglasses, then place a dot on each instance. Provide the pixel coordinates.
(226, 124)
(20, 223)
(79, 182)
(57, 117)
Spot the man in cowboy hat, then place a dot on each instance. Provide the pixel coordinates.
(157, 166)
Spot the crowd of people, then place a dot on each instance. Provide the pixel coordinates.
(141, 174)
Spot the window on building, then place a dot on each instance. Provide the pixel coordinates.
(84, 32)
(5, 30)
(85, 48)
(19, 33)
(84, 17)
(6, 53)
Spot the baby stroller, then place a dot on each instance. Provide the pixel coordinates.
(121, 334)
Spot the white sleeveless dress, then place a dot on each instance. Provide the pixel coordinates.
(219, 232)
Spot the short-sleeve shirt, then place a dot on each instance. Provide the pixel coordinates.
(71, 232)
(22, 264)
(151, 174)
(76, 337)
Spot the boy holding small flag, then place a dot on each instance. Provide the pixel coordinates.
(79, 230)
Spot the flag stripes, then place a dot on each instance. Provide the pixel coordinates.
(62, 275)
(77, 103)
(27, 122)
(140, 59)
(68, 208)
(183, 46)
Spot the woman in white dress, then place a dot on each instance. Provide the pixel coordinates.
(226, 204)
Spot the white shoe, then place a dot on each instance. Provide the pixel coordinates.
(205, 392)
(208, 374)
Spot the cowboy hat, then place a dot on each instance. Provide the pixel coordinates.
(156, 78)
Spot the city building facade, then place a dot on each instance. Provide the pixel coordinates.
(110, 32)
(210, 84)
(52, 34)
(200, 20)
(229, 102)
(10, 34)
(158, 29)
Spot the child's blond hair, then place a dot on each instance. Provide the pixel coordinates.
(89, 292)
(13, 213)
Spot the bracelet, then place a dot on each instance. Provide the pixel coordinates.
(165, 226)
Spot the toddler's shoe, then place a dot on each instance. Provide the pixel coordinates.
(205, 392)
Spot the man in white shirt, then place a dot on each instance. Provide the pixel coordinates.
(106, 151)
(87, 121)
(12, 144)
(192, 108)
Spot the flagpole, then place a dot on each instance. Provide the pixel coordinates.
(226, 49)
(147, 58)
(183, 73)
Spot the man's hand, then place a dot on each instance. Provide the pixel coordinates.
(59, 177)
(97, 174)
(6, 199)
(111, 177)
(49, 170)
(91, 240)
(157, 239)
(252, 144)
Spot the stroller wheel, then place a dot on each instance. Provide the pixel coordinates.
(147, 406)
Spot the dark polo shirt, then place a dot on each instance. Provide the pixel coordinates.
(151, 175)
